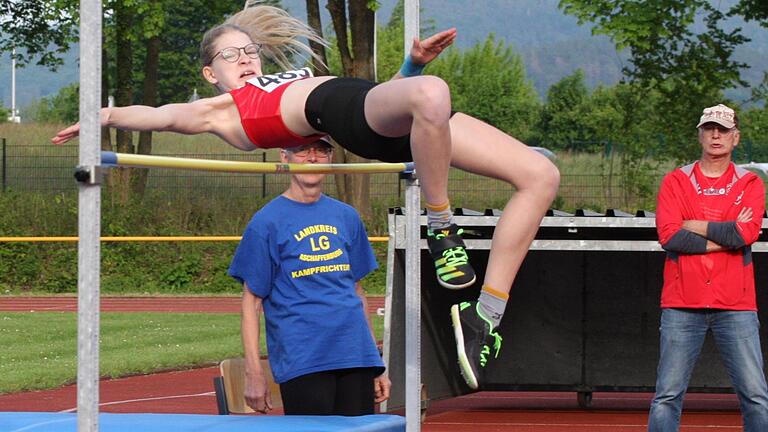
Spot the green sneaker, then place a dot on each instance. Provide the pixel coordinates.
(450, 255)
(476, 341)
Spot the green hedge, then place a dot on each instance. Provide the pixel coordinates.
(130, 267)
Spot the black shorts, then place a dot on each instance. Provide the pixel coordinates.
(347, 392)
(337, 107)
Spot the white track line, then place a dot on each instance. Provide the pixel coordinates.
(47, 422)
(570, 397)
(144, 400)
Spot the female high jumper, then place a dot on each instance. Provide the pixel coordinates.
(398, 120)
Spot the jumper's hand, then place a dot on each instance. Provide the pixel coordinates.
(73, 131)
(424, 51)
(67, 134)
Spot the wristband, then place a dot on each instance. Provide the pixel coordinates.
(409, 68)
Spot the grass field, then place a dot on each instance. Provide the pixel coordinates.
(40, 348)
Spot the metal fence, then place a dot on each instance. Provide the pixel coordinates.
(48, 168)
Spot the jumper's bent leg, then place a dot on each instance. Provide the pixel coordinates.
(483, 149)
(420, 106)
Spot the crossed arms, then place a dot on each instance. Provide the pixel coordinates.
(681, 231)
(700, 236)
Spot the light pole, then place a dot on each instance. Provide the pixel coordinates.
(13, 117)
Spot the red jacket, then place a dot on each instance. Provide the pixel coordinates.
(717, 280)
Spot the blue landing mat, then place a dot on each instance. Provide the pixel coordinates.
(67, 422)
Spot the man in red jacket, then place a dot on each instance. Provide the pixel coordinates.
(708, 215)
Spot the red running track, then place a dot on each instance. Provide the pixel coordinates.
(191, 391)
(142, 304)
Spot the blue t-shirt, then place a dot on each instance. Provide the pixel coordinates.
(303, 261)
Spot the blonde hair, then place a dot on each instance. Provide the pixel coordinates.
(280, 35)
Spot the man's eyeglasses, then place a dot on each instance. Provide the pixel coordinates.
(232, 54)
(320, 152)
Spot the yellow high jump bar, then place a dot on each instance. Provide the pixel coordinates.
(65, 239)
(112, 159)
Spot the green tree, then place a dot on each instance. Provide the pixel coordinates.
(319, 65)
(562, 122)
(389, 44)
(63, 107)
(488, 82)
(671, 53)
(153, 52)
(41, 29)
(662, 39)
(619, 120)
(179, 58)
(136, 34)
(752, 10)
(753, 124)
(625, 118)
(353, 25)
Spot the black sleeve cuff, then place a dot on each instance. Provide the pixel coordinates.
(725, 234)
(686, 242)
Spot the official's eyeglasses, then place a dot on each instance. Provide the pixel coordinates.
(232, 54)
(712, 127)
(320, 152)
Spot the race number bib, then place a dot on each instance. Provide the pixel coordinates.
(270, 82)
